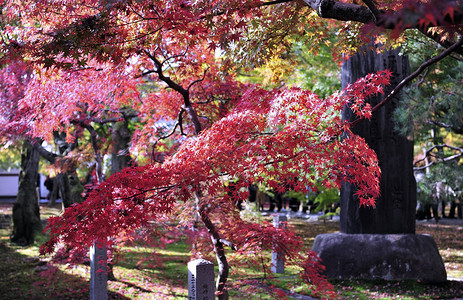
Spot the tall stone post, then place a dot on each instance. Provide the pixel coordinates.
(98, 273)
(396, 207)
(278, 258)
(380, 242)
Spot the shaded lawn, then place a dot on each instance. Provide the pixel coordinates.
(142, 275)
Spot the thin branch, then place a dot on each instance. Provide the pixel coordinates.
(275, 2)
(146, 73)
(115, 119)
(198, 80)
(455, 129)
(144, 192)
(412, 76)
(438, 38)
(209, 100)
(447, 159)
(178, 124)
(178, 88)
(173, 85)
(175, 56)
(423, 77)
(440, 159)
(228, 243)
(372, 7)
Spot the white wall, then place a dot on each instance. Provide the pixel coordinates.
(9, 183)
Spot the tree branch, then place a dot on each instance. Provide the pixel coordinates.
(337, 10)
(115, 119)
(198, 80)
(372, 7)
(96, 148)
(48, 155)
(455, 129)
(439, 39)
(275, 2)
(228, 243)
(173, 85)
(178, 124)
(412, 76)
(440, 159)
(218, 249)
(178, 88)
(331, 9)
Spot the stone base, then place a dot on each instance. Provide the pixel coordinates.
(380, 256)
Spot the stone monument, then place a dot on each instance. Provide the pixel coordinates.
(201, 280)
(380, 242)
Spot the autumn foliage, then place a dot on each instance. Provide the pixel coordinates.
(268, 137)
(261, 140)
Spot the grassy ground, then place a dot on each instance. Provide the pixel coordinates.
(24, 275)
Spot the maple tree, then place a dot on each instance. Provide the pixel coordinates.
(26, 215)
(90, 59)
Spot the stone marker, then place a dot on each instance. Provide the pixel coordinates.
(98, 273)
(380, 242)
(201, 284)
(278, 260)
(395, 208)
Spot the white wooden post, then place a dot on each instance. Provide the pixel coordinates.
(278, 262)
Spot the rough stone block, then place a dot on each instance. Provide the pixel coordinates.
(376, 256)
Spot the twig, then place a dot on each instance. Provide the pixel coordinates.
(178, 124)
(275, 2)
(371, 6)
(228, 243)
(440, 160)
(198, 80)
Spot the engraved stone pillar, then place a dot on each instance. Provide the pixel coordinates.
(395, 208)
(201, 280)
(98, 273)
(278, 259)
(380, 242)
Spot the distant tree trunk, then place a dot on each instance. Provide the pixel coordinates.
(120, 158)
(62, 179)
(53, 194)
(120, 155)
(64, 188)
(26, 213)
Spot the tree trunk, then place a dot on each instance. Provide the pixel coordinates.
(120, 155)
(219, 250)
(218, 245)
(53, 194)
(64, 188)
(120, 158)
(26, 212)
(396, 207)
